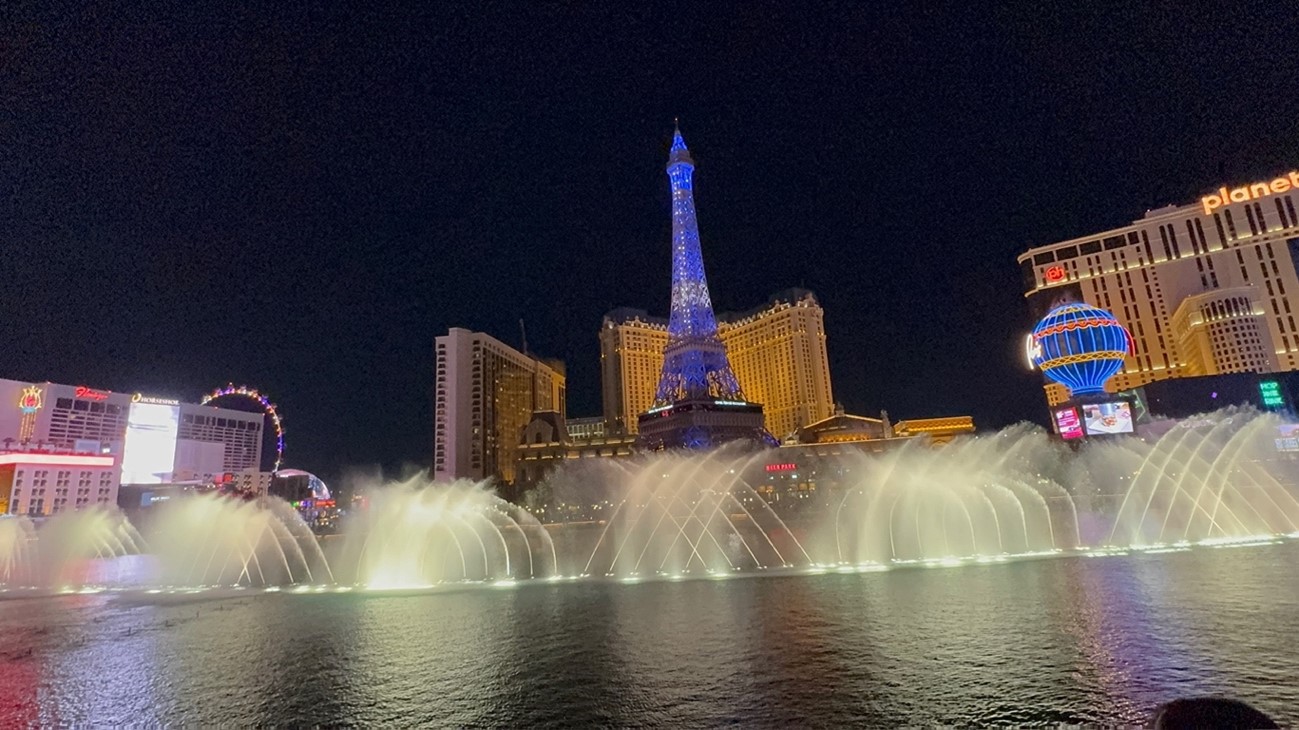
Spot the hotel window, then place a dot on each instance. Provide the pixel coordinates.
(1222, 235)
(1231, 223)
(1249, 216)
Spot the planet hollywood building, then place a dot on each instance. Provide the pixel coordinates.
(1205, 288)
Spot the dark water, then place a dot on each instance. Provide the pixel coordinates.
(1073, 640)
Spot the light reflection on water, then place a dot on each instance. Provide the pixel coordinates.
(1072, 640)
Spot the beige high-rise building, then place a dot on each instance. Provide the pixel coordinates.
(1204, 288)
(485, 394)
(631, 360)
(777, 351)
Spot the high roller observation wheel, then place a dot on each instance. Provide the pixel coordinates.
(267, 406)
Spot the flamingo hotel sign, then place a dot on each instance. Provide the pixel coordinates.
(1253, 191)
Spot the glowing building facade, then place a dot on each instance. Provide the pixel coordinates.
(779, 354)
(1204, 289)
(485, 394)
(147, 440)
(46, 482)
(631, 359)
(777, 351)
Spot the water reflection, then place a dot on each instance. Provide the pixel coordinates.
(1094, 640)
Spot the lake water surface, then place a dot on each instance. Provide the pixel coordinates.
(1076, 639)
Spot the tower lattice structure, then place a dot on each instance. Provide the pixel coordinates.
(695, 365)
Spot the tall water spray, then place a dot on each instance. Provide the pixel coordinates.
(419, 534)
(1015, 493)
(216, 540)
(989, 496)
(69, 550)
(680, 513)
(1217, 477)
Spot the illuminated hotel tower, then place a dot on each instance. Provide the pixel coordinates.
(698, 402)
(1205, 288)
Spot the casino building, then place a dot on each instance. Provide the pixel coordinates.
(777, 350)
(1205, 288)
(68, 446)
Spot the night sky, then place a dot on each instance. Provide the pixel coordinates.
(303, 201)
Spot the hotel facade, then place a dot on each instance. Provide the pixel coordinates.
(1206, 288)
(777, 351)
(485, 394)
(69, 446)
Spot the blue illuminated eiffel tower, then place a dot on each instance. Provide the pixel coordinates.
(698, 403)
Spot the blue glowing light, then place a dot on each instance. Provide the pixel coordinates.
(694, 363)
(1080, 347)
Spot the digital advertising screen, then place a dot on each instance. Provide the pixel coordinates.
(1287, 437)
(1068, 424)
(149, 454)
(1107, 418)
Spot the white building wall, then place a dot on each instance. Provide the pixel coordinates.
(452, 413)
(83, 419)
(41, 484)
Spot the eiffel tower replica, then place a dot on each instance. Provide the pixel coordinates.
(698, 404)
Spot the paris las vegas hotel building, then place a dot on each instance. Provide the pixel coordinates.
(777, 351)
(1206, 288)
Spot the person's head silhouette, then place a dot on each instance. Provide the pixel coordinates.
(1206, 714)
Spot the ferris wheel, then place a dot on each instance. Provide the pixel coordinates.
(252, 394)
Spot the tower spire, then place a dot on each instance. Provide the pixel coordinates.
(698, 403)
(695, 363)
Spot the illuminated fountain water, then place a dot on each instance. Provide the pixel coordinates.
(17, 544)
(1211, 479)
(418, 534)
(684, 514)
(1217, 479)
(986, 497)
(1014, 494)
(214, 540)
(981, 498)
(70, 550)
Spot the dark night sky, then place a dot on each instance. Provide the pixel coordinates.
(302, 201)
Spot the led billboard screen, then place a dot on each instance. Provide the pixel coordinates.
(1288, 437)
(1068, 424)
(149, 454)
(1107, 418)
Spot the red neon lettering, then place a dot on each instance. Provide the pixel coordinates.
(91, 393)
(782, 467)
(1054, 273)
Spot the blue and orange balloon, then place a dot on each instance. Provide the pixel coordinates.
(1079, 346)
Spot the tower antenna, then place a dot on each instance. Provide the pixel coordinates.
(524, 332)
